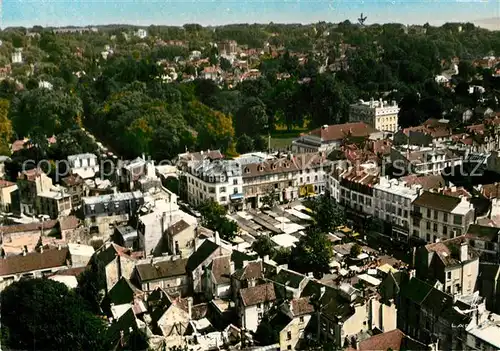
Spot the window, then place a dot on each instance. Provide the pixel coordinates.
(288, 335)
(445, 230)
(307, 179)
(301, 319)
(428, 225)
(316, 178)
(211, 190)
(445, 217)
(435, 215)
(289, 347)
(435, 227)
(428, 237)
(222, 189)
(223, 198)
(259, 305)
(235, 191)
(448, 289)
(428, 213)
(235, 181)
(448, 275)
(457, 219)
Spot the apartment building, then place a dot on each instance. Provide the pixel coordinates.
(353, 188)
(438, 216)
(485, 240)
(227, 47)
(392, 203)
(451, 262)
(7, 189)
(381, 115)
(55, 202)
(220, 181)
(423, 160)
(31, 183)
(102, 212)
(289, 178)
(329, 137)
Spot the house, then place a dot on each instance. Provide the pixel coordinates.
(329, 137)
(84, 165)
(292, 320)
(115, 261)
(7, 190)
(378, 114)
(100, 212)
(170, 275)
(253, 303)
(202, 256)
(218, 273)
(483, 331)
(180, 237)
(451, 262)
(80, 254)
(250, 274)
(56, 202)
(486, 241)
(126, 236)
(391, 340)
(36, 264)
(429, 315)
(31, 183)
(122, 293)
(438, 216)
(75, 186)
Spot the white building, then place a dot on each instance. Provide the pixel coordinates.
(218, 180)
(17, 56)
(392, 200)
(253, 303)
(84, 165)
(378, 114)
(154, 224)
(438, 216)
(483, 332)
(423, 160)
(141, 33)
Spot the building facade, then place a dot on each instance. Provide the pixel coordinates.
(378, 114)
(31, 183)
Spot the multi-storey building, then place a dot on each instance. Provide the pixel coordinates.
(392, 201)
(7, 189)
(55, 202)
(451, 262)
(327, 138)
(227, 47)
(102, 212)
(31, 183)
(220, 181)
(423, 160)
(378, 114)
(438, 216)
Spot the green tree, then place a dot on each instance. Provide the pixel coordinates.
(244, 144)
(251, 118)
(271, 199)
(214, 217)
(313, 253)
(91, 284)
(327, 215)
(5, 127)
(355, 250)
(263, 246)
(43, 314)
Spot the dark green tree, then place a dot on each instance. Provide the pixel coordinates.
(266, 334)
(244, 144)
(327, 214)
(42, 314)
(263, 246)
(214, 217)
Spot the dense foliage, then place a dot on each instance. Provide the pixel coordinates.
(123, 98)
(42, 314)
(214, 218)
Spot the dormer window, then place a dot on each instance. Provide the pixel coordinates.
(247, 170)
(274, 166)
(260, 168)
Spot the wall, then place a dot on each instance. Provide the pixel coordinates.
(296, 328)
(112, 273)
(185, 240)
(250, 318)
(5, 281)
(172, 285)
(357, 322)
(223, 290)
(171, 319)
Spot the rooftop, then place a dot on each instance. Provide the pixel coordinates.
(257, 294)
(34, 261)
(93, 200)
(488, 331)
(338, 132)
(484, 233)
(163, 269)
(449, 250)
(437, 201)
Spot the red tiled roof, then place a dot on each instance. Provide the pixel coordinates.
(491, 191)
(257, 294)
(69, 222)
(427, 182)
(340, 131)
(34, 261)
(71, 271)
(391, 340)
(301, 306)
(29, 227)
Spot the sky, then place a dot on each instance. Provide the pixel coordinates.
(212, 12)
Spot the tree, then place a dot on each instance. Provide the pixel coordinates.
(214, 217)
(225, 65)
(43, 314)
(327, 215)
(5, 127)
(271, 199)
(91, 284)
(244, 144)
(266, 334)
(251, 118)
(355, 250)
(45, 112)
(263, 246)
(313, 253)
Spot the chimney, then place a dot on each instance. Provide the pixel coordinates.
(266, 258)
(322, 290)
(217, 238)
(41, 249)
(25, 249)
(231, 267)
(325, 126)
(190, 307)
(59, 247)
(464, 254)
